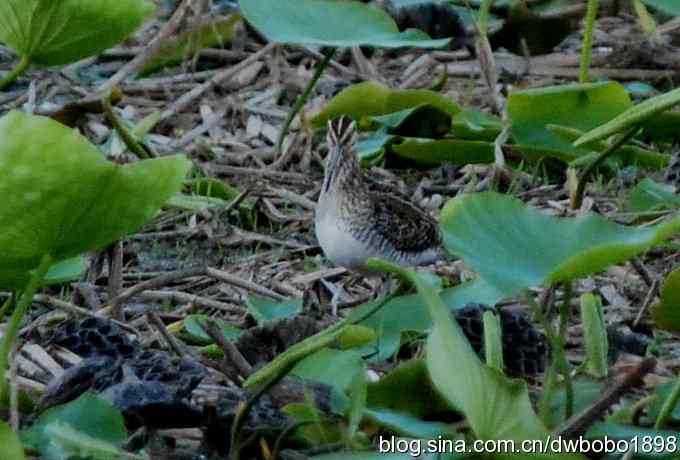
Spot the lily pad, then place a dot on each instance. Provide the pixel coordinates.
(61, 197)
(56, 32)
(513, 246)
(495, 406)
(331, 23)
(580, 106)
(373, 99)
(639, 114)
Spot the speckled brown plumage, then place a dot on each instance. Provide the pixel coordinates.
(354, 223)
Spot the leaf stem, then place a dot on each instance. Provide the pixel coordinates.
(577, 199)
(560, 354)
(11, 76)
(124, 133)
(300, 101)
(558, 357)
(493, 341)
(20, 310)
(483, 17)
(668, 405)
(587, 50)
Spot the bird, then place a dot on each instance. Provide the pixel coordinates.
(354, 223)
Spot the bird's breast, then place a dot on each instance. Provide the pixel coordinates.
(337, 242)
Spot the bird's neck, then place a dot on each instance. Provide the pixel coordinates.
(343, 172)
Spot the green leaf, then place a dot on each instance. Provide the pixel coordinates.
(319, 429)
(264, 309)
(648, 196)
(421, 121)
(670, 7)
(336, 368)
(407, 425)
(495, 407)
(513, 246)
(595, 335)
(662, 393)
(61, 197)
(666, 313)
(194, 329)
(11, 446)
(65, 271)
(663, 127)
(357, 402)
(331, 23)
(476, 125)
(586, 391)
(628, 154)
(87, 426)
(56, 32)
(205, 35)
(580, 106)
(373, 99)
(638, 114)
(435, 152)
(409, 314)
(409, 378)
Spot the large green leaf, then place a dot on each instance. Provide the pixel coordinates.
(410, 377)
(336, 368)
(55, 32)
(331, 23)
(88, 426)
(580, 106)
(495, 406)
(639, 114)
(513, 246)
(11, 446)
(61, 197)
(409, 314)
(370, 99)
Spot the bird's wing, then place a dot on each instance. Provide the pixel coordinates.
(406, 227)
